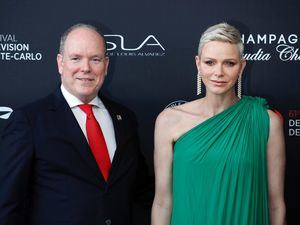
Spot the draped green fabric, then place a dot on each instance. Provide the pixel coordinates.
(220, 168)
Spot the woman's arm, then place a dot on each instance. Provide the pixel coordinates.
(163, 157)
(276, 170)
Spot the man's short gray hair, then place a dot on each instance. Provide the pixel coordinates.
(74, 27)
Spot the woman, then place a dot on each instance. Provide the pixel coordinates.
(219, 160)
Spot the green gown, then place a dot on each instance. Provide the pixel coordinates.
(220, 169)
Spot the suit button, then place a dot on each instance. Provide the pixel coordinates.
(108, 222)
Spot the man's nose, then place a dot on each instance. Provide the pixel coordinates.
(85, 66)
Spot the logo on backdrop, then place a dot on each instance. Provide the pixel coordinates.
(13, 50)
(5, 112)
(118, 45)
(285, 47)
(176, 103)
(294, 122)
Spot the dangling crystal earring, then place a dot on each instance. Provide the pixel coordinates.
(239, 87)
(199, 84)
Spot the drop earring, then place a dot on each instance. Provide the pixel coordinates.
(239, 87)
(199, 81)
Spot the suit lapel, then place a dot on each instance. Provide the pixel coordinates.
(73, 133)
(117, 117)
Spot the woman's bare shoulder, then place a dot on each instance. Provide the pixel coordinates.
(173, 116)
(169, 116)
(276, 120)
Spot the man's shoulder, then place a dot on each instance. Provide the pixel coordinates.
(39, 105)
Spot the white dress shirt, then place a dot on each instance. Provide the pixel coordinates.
(101, 114)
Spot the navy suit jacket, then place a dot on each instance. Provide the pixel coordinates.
(48, 175)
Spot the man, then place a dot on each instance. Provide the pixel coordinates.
(51, 171)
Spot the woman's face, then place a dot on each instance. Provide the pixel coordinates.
(220, 65)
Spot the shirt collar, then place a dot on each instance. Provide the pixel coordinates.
(73, 101)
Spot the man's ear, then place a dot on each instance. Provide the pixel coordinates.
(59, 60)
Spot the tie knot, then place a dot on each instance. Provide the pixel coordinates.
(87, 108)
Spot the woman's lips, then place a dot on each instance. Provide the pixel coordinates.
(218, 82)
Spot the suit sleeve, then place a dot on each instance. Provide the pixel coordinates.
(16, 155)
(144, 183)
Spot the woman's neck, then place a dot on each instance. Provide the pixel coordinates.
(214, 104)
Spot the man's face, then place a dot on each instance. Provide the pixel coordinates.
(83, 64)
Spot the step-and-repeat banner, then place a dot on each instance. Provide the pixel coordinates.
(152, 45)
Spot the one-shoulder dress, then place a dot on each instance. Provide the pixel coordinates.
(220, 168)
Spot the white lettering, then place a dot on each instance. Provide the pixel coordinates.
(272, 37)
(250, 39)
(269, 39)
(293, 38)
(281, 39)
(27, 56)
(262, 39)
(150, 40)
(7, 38)
(294, 132)
(4, 56)
(258, 56)
(294, 123)
(287, 52)
(14, 47)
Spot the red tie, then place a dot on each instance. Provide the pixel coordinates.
(96, 140)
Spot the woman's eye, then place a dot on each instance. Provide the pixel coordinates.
(209, 62)
(230, 63)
